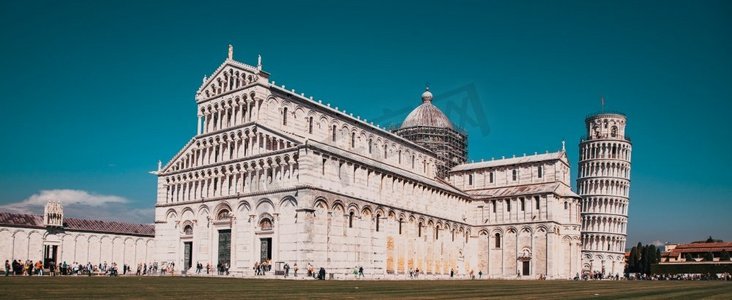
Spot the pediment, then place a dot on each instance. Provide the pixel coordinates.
(229, 76)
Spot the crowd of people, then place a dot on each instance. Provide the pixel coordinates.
(30, 268)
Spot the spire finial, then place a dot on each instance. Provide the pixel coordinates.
(231, 52)
(563, 146)
(259, 61)
(160, 165)
(427, 95)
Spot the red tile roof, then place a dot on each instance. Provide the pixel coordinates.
(701, 247)
(74, 224)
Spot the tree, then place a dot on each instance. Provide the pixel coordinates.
(688, 257)
(632, 266)
(724, 256)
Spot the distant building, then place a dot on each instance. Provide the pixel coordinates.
(696, 253)
(51, 238)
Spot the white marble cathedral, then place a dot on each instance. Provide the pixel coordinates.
(273, 175)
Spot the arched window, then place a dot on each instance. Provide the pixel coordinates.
(284, 116)
(400, 225)
(385, 148)
(523, 204)
(515, 174)
(437, 232)
(565, 205)
(491, 177)
(370, 143)
(378, 216)
(310, 125)
(470, 179)
(334, 133)
(350, 220)
(493, 202)
(419, 229)
(265, 224)
(498, 240)
(353, 139)
(508, 204)
(188, 230)
(538, 203)
(614, 131)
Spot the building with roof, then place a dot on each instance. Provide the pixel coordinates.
(272, 175)
(51, 238)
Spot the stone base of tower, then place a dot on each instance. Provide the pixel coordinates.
(607, 263)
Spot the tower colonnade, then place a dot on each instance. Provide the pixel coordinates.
(603, 182)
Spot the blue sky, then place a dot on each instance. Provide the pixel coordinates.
(94, 93)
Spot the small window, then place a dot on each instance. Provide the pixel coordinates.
(284, 116)
(400, 226)
(515, 174)
(523, 205)
(508, 205)
(493, 202)
(353, 139)
(437, 233)
(400, 157)
(614, 131)
(334, 133)
(470, 179)
(370, 145)
(538, 203)
(385, 149)
(498, 240)
(350, 220)
(188, 230)
(310, 125)
(491, 176)
(419, 229)
(540, 171)
(377, 222)
(565, 205)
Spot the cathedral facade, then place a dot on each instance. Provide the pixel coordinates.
(272, 175)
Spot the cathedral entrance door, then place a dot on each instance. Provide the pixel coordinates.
(265, 252)
(526, 268)
(187, 255)
(225, 246)
(49, 255)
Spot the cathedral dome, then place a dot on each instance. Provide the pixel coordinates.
(427, 115)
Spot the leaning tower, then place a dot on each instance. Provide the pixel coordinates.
(603, 181)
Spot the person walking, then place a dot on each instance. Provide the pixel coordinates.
(295, 269)
(287, 270)
(360, 272)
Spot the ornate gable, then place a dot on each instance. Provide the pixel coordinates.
(229, 76)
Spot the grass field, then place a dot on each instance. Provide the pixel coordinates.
(230, 288)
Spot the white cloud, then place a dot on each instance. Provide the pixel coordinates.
(83, 204)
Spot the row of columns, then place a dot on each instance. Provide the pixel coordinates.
(262, 176)
(605, 205)
(604, 224)
(607, 150)
(598, 242)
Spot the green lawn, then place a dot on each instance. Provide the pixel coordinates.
(230, 288)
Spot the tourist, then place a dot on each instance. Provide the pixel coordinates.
(480, 274)
(310, 270)
(7, 268)
(452, 272)
(287, 269)
(295, 269)
(360, 272)
(321, 274)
